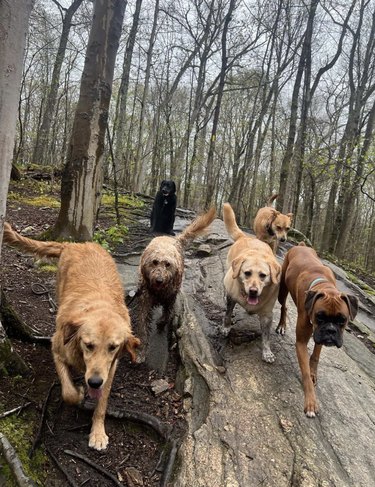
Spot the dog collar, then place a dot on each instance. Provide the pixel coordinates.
(316, 281)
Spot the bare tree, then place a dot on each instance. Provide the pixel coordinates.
(83, 173)
(42, 140)
(14, 18)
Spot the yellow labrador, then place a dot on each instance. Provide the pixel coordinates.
(252, 279)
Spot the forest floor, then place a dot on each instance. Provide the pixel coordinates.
(137, 454)
(139, 448)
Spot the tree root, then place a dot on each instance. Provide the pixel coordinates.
(71, 482)
(11, 457)
(94, 465)
(164, 430)
(16, 327)
(38, 436)
(153, 422)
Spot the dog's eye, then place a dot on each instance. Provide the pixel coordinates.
(279, 228)
(112, 348)
(247, 273)
(287, 229)
(320, 317)
(155, 262)
(262, 275)
(90, 347)
(167, 264)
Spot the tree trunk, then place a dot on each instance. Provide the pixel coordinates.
(286, 175)
(139, 168)
(224, 63)
(42, 140)
(120, 122)
(14, 18)
(82, 176)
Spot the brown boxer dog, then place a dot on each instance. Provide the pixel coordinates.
(323, 312)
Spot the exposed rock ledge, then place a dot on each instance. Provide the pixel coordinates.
(246, 425)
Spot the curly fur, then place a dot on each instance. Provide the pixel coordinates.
(161, 270)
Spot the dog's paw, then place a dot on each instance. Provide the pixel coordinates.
(311, 408)
(73, 395)
(98, 440)
(281, 329)
(268, 356)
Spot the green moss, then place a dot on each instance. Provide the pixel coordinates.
(108, 199)
(47, 267)
(19, 432)
(111, 237)
(45, 200)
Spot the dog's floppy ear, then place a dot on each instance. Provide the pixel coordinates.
(275, 270)
(236, 266)
(310, 299)
(130, 345)
(352, 303)
(70, 331)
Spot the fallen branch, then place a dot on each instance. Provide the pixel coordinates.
(14, 410)
(62, 469)
(92, 464)
(11, 457)
(41, 422)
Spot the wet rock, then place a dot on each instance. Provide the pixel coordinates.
(203, 250)
(247, 426)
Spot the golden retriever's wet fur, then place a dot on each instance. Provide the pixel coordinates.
(252, 279)
(92, 325)
(161, 270)
(271, 226)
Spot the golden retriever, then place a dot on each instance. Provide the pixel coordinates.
(92, 324)
(271, 226)
(161, 270)
(252, 279)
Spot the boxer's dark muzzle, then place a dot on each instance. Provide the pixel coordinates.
(328, 334)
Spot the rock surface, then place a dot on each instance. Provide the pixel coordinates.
(246, 421)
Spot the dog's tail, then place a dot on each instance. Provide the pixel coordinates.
(42, 249)
(272, 199)
(230, 222)
(197, 227)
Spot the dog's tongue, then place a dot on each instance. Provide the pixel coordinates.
(253, 300)
(95, 393)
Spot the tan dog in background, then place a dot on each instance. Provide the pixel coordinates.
(92, 325)
(252, 279)
(323, 312)
(271, 226)
(161, 270)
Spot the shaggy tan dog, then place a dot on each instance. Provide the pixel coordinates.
(92, 324)
(271, 226)
(252, 279)
(161, 270)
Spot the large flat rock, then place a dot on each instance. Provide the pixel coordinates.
(246, 425)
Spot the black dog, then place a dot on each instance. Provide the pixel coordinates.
(162, 214)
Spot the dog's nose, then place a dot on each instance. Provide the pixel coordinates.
(95, 381)
(253, 292)
(330, 330)
(282, 239)
(159, 280)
